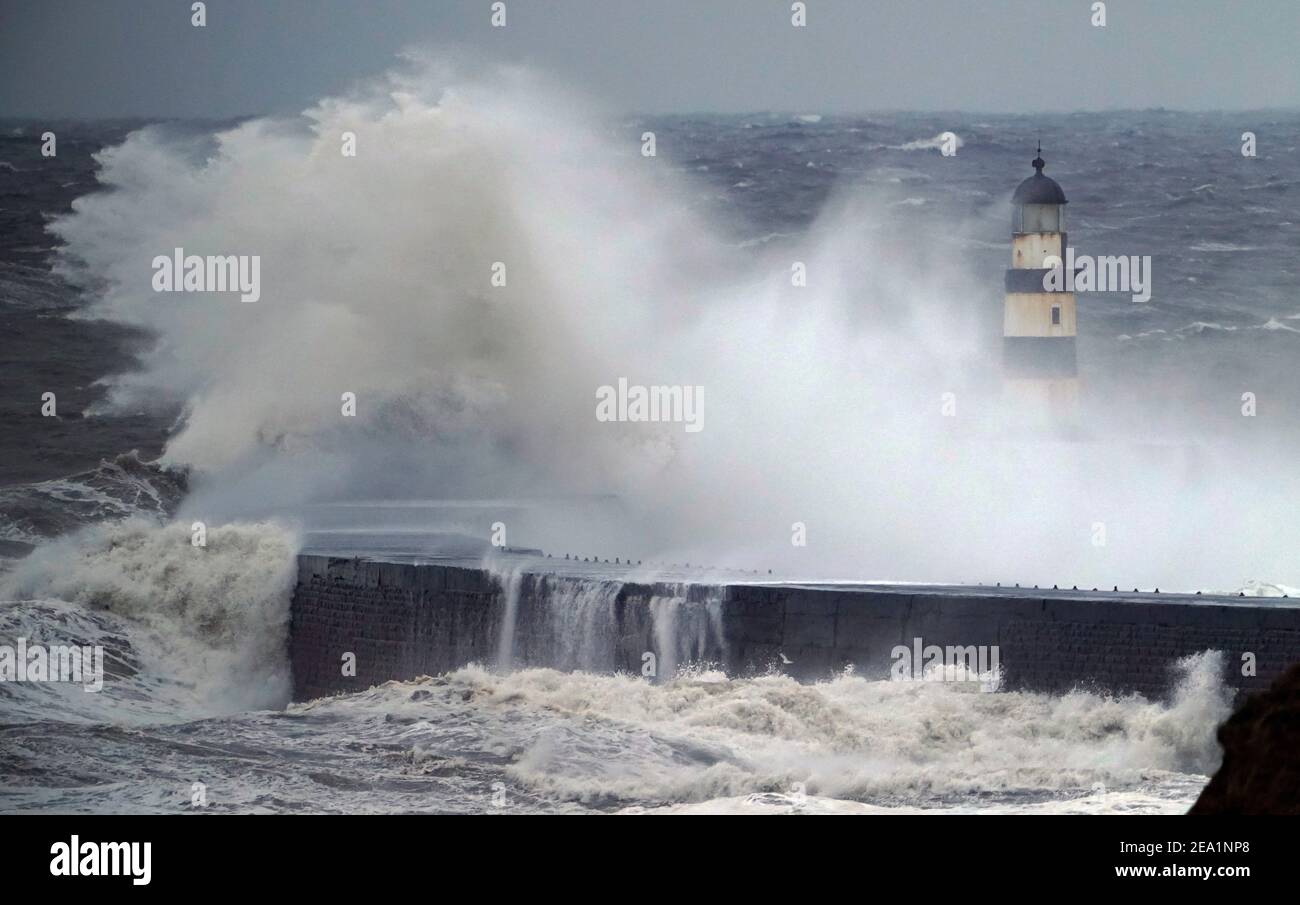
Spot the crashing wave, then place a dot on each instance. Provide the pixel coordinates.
(215, 617)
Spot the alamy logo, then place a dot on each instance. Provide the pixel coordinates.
(683, 404)
(25, 662)
(954, 663)
(179, 272)
(103, 859)
(1108, 273)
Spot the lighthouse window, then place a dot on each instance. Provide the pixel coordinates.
(1056, 315)
(1041, 218)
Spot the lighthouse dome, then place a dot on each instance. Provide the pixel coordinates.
(1039, 189)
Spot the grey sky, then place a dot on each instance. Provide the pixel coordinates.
(142, 57)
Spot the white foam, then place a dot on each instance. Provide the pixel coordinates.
(706, 742)
(927, 144)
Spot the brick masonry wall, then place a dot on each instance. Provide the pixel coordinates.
(402, 620)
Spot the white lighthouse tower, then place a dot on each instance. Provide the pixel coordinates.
(1038, 324)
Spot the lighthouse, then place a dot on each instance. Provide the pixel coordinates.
(1038, 323)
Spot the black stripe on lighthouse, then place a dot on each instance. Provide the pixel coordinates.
(1027, 281)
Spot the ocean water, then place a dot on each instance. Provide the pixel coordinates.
(666, 270)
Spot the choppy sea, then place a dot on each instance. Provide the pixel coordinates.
(196, 690)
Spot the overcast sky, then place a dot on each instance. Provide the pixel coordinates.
(142, 57)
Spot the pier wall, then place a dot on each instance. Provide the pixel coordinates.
(402, 620)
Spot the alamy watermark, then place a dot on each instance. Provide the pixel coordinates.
(75, 858)
(23, 662)
(179, 272)
(635, 402)
(1107, 273)
(955, 663)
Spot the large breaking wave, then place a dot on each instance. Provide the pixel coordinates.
(203, 629)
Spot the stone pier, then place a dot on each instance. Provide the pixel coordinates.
(400, 620)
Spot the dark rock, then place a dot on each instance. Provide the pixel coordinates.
(1260, 773)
